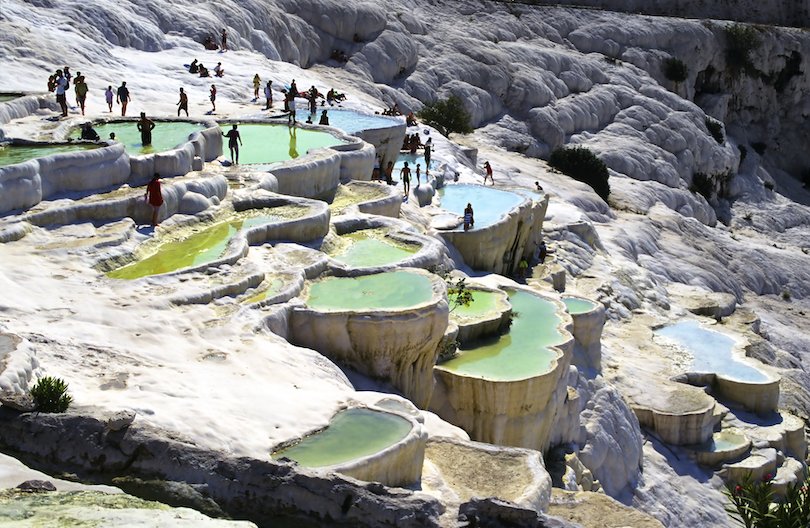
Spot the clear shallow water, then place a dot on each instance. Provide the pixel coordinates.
(194, 250)
(9, 97)
(711, 351)
(265, 143)
(381, 291)
(351, 122)
(167, 135)
(412, 160)
(273, 287)
(12, 154)
(578, 306)
(522, 352)
(489, 205)
(724, 441)
(352, 434)
(484, 302)
(367, 250)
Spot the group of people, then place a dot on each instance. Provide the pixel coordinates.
(59, 83)
(210, 43)
(200, 69)
(392, 111)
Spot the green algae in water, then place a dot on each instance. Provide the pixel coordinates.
(352, 434)
(264, 143)
(367, 250)
(274, 286)
(578, 306)
(381, 291)
(167, 135)
(522, 352)
(13, 154)
(484, 302)
(349, 194)
(197, 249)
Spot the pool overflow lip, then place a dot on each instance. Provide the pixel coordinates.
(200, 124)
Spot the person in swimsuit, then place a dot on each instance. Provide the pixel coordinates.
(154, 197)
(488, 173)
(224, 37)
(89, 133)
(405, 176)
(428, 153)
(389, 173)
(291, 106)
(108, 96)
(145, 127)
(219, 71)
(268, 95)
(419, 174)
(213, 98)
(257, 83)
(234, 140)
(81, 91)
(193, 67)
(61, 88)
(469, 217)
(182, 104)
(123, 98)
(324, 119)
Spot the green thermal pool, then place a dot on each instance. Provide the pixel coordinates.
(381, 291)
(167, 135)
(9, 97)
(198, 248)
(577, 306)
(521, 353)
(367, 248)
(484, 303)
(265, 143)
(12, 154)
(352, 434)
(349, 194)
(273, 287)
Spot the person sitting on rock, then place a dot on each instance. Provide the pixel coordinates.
(204, 71)
(194, 67)
(219, 71)
(411, 119)
(89, 133)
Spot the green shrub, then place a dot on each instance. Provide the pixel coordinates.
(582, 165)
(741, 40)
(675, 70)
(702, 184)
(447, 116)
(753, 504)
(50, 395)
(716, 130)
(458, 294)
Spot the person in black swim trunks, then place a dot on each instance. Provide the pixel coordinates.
(234, 140)
(145, 127)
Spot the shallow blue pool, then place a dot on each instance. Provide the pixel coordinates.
(711, 351)
(412, 160)
(488, 204)
(351, 121)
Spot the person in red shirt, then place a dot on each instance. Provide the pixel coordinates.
(154, 197)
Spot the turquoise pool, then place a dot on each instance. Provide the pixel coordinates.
(489, 204)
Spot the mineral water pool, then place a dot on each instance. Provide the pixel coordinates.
(489, 205)
(349, 194)
(266, 143)
(352, 122)
(413, 160)
(198, 248)
(369, 248)
(725, 441)
(273, 286)
(9, 97)
(12, 154)
(577, 306)
(381, 291)
(484, 302)
(522, 352)
(167, 135)
(352, 434)
(711, 351)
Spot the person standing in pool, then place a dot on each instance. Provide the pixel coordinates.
(268, 95)
(257, 83)
(488, 173)
(108, 96)
(428, 152)
(224, 37)
(213, 97)
(123, 98)
(234, 140)
(405, 176)
(182, 104)
(81, 91)
(419, 174)
(469, 217)
(145, 127)
(61, 89)
(154, 197)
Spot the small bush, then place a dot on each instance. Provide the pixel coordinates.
(447, 116)
(716, 130)
(582, 165)
(754, 504)
(741, 40)
(458, 294)
(675, 70)
(759, 147)
(50, 395)
(702, 184)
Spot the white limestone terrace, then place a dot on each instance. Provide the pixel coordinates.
(533, 78)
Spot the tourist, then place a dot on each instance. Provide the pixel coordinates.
(324, 119)
(309, 119)
(204, 71)
(194, 67)
(330, 96)
(257, 83)
(405, 176)
(108, 96)
(52, 83)
(293, 88)
(209, 43)
(313, 104)
(89, 133)
(234, 140)
(428, 153)
(112, 136)
(123, 98)
(389, 173)
(224, 38)
(469, 217)
(419, 174)
(182, 104)
(375, 172)
(80, 87)
(538, 187)
(213, 98)
(61, 88)
(291, 107)
(268, 95)
(145, 127)
(523, 268)
(154, 197)
(219, 71)
(68, 75)
(488, 173)
(542, 251)
(410, 120)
